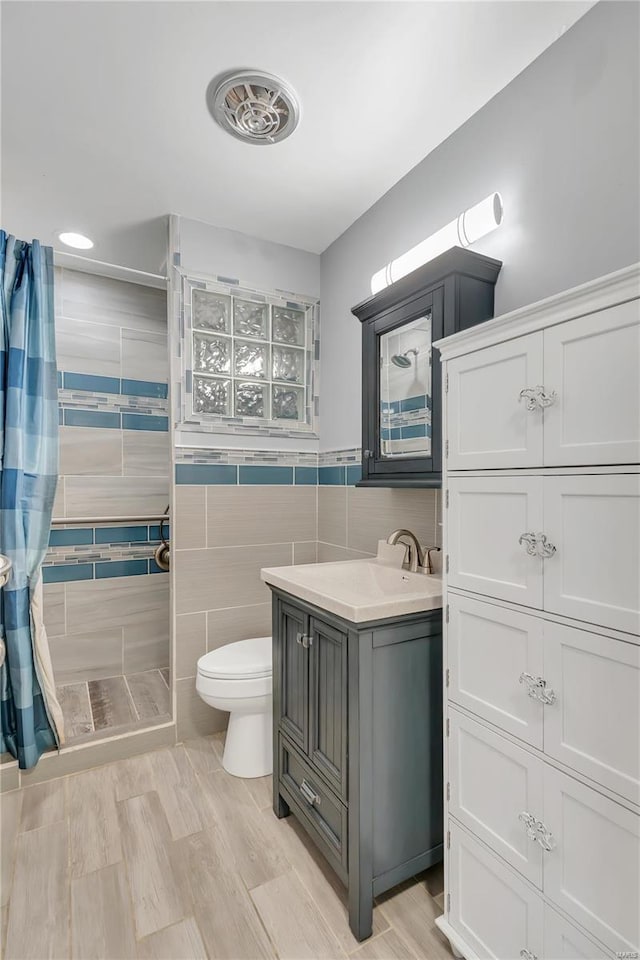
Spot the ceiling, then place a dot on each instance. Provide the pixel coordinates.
(105, 128)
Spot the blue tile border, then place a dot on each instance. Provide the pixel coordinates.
(345, 473)
(91, 383)
(98, 570)
(331, 476)
(78, 537)
(206, 473)
(144, 388)
(265, 475)
(137, 534)
(140, 421)
(65, 572)
(306, 476)
(125, 387)
(121, 568)
(91, 418)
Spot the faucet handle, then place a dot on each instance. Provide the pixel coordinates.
(428, 566)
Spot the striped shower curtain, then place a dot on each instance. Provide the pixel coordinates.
(30, 716)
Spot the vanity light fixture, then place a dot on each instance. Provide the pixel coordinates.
(77, 240)
(469, 226)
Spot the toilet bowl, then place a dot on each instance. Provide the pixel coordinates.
(237, 678)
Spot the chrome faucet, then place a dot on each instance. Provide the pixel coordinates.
(419, 559)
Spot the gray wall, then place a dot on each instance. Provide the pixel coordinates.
(560, 143)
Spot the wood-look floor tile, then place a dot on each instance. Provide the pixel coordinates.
(43, 803)
(179, 791)
(111, 703)
(101, 920)
(4, 919)
(156, 894)
(439, 899)
(10, 809)
(411, 911)
(433, 879)
(293, 921)
(76, 709)
(261, 791)
(38, 925)
(388, 946)
(132, 777)
(258, 858)
(327, 892)
(150, 694)
(94, 832)
(230, 927)
(203, 754)
(181, 941)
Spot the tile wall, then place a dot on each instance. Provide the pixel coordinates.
(106, 602)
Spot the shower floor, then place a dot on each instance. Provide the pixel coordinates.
(96, 708)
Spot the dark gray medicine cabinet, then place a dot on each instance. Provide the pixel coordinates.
(401, 389)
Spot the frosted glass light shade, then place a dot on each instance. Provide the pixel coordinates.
(469, 226)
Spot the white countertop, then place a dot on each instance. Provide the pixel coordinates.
(358, 590)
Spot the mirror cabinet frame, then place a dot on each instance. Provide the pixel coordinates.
(458, 288)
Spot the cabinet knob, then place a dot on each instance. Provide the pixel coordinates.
(309, 794)
(537, 688)
(304, 640)
(367, 454)
(537, 545)
(536, 830)
(536, 398)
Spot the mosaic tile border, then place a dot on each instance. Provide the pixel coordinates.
(112, 403)
(279, 467)
(72, 547)
(180, 346)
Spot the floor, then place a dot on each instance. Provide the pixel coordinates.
(167, 856)
(114, 705)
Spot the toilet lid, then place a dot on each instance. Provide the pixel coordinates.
(237, 661)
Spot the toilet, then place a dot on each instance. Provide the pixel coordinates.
(237, 678)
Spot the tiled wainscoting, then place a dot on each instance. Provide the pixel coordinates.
(237, 511)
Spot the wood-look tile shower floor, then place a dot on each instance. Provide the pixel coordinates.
(114, 704)
(167, 856)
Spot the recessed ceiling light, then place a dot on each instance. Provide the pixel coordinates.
(77, 240)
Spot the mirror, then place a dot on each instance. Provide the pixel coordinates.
(405, 389)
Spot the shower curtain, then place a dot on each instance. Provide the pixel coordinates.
(30, 716)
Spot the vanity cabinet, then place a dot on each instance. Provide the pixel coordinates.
(401, 382)
(357, 730)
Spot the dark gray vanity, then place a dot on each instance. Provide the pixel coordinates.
(357, 732)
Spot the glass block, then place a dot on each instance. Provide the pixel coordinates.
(250, 359)
(250, 319)
(211, 354)
(211, 311)
(251, 400)
(212, 396)
(288, 364)
(288, 326)
(287, 403)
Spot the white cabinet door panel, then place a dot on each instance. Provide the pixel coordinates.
(594, 521)
(593, 873)
(592, 363)
(594, 724)
(489, 648)
(491, 909)
(487, 516)
(563, 941)
(491, 782)
(488, 424)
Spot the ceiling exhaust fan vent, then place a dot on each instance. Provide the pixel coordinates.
(254, 107)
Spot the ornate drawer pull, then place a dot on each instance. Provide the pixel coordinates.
(537, 688)
(536, 398)
(537, 831)
(537, 545)
(527, 954)
(312, 798)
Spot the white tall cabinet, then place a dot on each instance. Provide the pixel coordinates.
(541, 493)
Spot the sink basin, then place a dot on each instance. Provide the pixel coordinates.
(358, 590)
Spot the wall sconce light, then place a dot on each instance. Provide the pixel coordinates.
(471, 225)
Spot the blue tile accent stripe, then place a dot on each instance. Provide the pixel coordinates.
(91, 418)
(100, 570)
(347, 471)
(265, 475)
(127, 388)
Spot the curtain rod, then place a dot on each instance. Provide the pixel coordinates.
(115, 271)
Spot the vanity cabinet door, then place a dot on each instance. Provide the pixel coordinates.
(489, 425)
(594, 523)
(293, 674)
(592, 365)
(487, 517)
(495, 912)
(563, 941)
(328, 703)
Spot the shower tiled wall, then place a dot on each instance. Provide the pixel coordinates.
(106, 602)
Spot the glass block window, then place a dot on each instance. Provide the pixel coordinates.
(251, 359)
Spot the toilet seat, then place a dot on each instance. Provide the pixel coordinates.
(242, 660)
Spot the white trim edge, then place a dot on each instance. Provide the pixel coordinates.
(614, 288)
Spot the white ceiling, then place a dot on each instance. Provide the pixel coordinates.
(105, 128)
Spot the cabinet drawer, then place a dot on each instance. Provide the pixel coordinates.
(563, 941)
(324, 816)
(487, 516)
(594, 522)
(593, 872)
(489, 648)
(495, 912)
(592, 363)
(488, 425)
(492, 781)
(593, 725)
